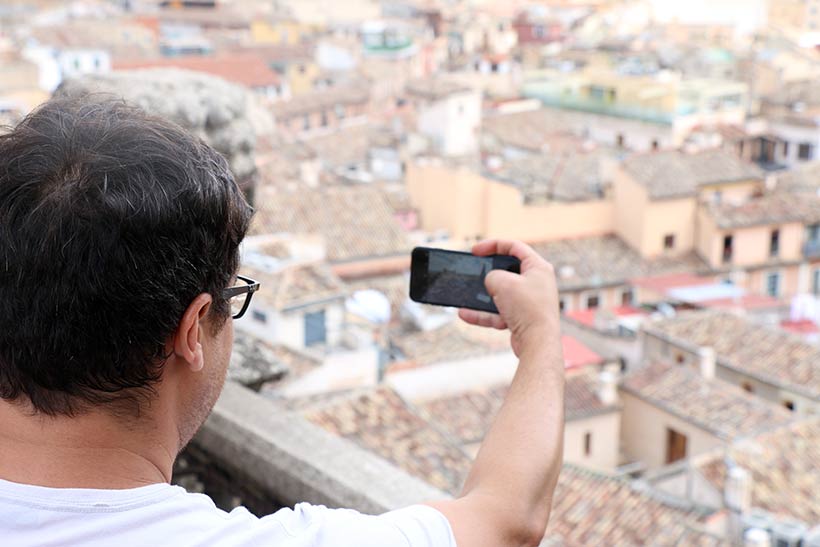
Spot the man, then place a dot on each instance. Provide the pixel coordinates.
(119, 238)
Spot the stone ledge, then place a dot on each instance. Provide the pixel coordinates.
(295, 461)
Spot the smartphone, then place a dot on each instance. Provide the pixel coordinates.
(452, 278)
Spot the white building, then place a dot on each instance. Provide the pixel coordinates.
(448, 113)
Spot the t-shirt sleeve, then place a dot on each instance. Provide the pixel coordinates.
(423, 526)
(413, 526)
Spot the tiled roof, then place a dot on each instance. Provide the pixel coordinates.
(770, 355)
(712, 405)
(381, 422)
(535, 130)
(315, 101)
(606, 260)
(588, 509)
(555, 177)
(784, 470)
(346, 146)
(800, 178)
(355, 221)
(448, 343)
(591, 509)
(245, 68)
(395, 287)
(770, 209)
(469, 415)
(673, 174)
(297, 285)
(435, 88)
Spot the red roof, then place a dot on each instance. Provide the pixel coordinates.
(804, 326)
(246, 68)
(577, 355)
(663, 283)
(587, 317)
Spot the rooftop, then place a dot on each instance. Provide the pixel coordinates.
(607, 261)
(769, 209)
(356, 222)
(769, 355)
(556, 177)
(451, 342)
(712, 405)
(802, 178)
(380, 421)
(533, 130)
(297, 285)
(246, 68)
(783, 467)
(434, 89)
(315, 101)
(588, 508)
(673, 174)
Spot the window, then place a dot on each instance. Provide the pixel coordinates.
(814, 233)
(789, 405)
(675, 445)
(259, 316)
(620, 141)
(315, 328)
(340, 110)
(717, 197)
(324, 118)
(785, 149)
(748, 387)
(306, 122)
(805, 151)
(593, 301)
(679, 358)
(774, 243)
(727, 248)
(538, 31)
(815, 282)
(773, 284)
(562, 304)
(627, 297)
(655, 144)
(669, 242)
(596, 93)
(587, 443)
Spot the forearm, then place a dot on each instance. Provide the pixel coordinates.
(519, 462)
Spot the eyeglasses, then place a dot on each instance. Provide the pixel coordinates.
(239, 297)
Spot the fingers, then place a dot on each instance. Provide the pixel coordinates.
(518, 249)
(482, 319)
(495, 279)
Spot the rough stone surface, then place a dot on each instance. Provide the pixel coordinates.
(219, 112)
(295, 461)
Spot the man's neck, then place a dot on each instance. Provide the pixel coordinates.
(92, 450)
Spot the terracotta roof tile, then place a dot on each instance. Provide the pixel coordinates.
(770, 355)
(355, 221)
(784, 469)
(673, 174)
(246, 68)
(713, 405)
(770, 209)
(605, 261)
(297, 285)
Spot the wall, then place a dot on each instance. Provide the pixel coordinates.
(464, 203)
(288, 328)
(795, 135)
(631, 202)
(605, 430)
(644, 432)
(675, 217)
(452, 123)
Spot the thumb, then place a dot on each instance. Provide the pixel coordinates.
(496, 279)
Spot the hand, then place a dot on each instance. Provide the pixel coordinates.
(527, 303)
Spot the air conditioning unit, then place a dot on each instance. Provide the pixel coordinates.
(788, 533)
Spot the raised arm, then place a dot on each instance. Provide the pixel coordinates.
(508, 494)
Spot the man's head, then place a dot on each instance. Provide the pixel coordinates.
(118, 234)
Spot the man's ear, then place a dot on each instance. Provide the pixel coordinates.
(186, 340)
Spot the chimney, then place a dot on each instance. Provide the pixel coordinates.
(608, 387)
(706, 356)
(738, 490)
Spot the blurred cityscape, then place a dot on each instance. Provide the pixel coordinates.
(664, 156)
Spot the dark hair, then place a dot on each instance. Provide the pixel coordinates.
(111, 222)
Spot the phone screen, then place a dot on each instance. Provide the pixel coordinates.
(451, 278)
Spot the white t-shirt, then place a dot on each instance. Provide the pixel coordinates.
(161, 514)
